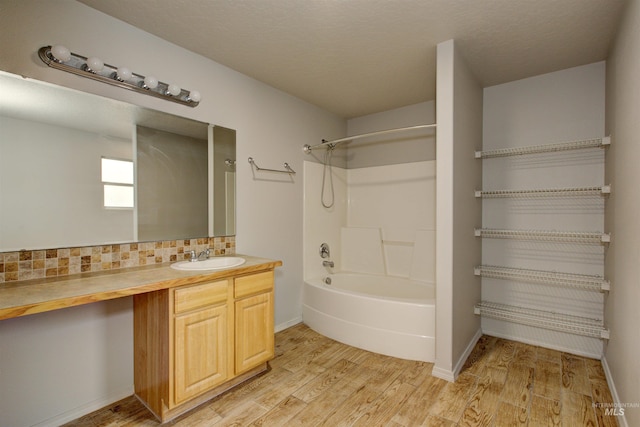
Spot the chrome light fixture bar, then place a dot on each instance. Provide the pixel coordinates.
(93, 68)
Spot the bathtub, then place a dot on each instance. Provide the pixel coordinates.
(387, 315)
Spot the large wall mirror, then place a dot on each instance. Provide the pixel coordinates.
(78, 169)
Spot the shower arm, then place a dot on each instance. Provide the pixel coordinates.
(331, 144)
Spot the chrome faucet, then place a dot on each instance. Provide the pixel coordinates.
(327, 264)
(201, 256)
(204, 253)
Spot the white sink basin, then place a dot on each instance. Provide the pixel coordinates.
(216, 263)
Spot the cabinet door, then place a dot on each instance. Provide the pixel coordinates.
(254, 331)
(200, 345)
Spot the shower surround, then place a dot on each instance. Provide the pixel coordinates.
(382, 224)
(394, 202)
(381, 233)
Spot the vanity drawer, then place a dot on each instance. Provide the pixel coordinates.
(196, 296)
(253, 284)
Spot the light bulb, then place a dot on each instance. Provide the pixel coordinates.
(94, 64)
(195, 96)
(150, 82)
(60, 53)
(123, 74)
(173, 90)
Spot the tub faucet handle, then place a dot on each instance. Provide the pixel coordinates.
(327, 264)
(324, 250)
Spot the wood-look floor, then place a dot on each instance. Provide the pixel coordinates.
(315, 381)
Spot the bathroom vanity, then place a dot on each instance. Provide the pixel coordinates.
(196, 333)
(194, 342)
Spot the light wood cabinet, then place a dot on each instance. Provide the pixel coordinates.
(193, 342)
(201, 347)
(254, 321)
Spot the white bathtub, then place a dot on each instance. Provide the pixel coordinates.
(387, 315)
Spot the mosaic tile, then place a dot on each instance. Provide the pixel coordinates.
(40, 263)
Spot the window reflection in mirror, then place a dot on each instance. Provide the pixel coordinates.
(52, 140)
(117, 180)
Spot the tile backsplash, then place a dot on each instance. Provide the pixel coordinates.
(38, 264)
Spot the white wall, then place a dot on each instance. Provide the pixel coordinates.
(467, 210)
(621, 214)
(567, 105)
(56, 366)
(459, 118)
(271, 127)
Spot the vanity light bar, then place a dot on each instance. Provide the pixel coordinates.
(93, 68)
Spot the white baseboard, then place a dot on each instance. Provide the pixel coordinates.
(451, 375)
(443, 374)
(467, 351)
(289, 323)
(622, 419)
(85, 409)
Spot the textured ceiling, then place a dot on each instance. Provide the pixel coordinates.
(356, 57)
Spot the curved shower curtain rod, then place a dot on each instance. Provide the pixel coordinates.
(331, 144)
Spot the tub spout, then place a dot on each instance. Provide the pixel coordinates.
(327, 264)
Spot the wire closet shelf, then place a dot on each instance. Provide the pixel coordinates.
(543, 319)
(566, 280)
(604, 190)
(547, 148)
(546, 236)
